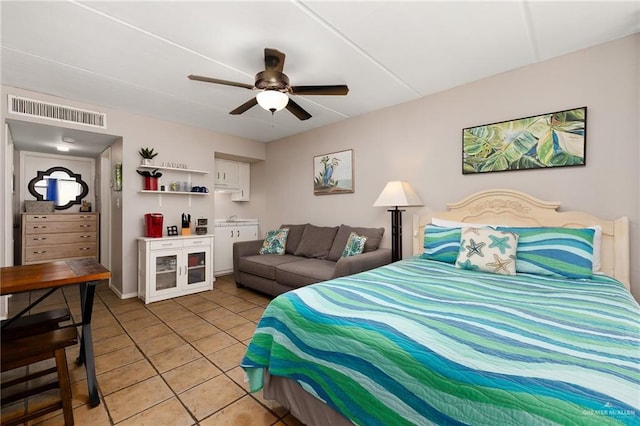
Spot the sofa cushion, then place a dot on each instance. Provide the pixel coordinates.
(374, 236)
(305, 272)
(264, 265)
(317, 241)
(275, 241)
(355, 245)
(294, 237)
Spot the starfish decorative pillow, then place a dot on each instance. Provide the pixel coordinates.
(487, 249)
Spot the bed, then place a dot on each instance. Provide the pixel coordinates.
(421, 341)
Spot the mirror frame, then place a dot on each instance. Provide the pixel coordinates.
(40, 176)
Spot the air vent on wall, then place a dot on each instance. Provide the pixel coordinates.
(49, 111)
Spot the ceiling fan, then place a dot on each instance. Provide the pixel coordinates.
(275, 88)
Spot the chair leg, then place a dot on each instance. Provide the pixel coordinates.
(65, 386)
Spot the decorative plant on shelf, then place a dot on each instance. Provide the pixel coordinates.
(147, 155)
(152, 174)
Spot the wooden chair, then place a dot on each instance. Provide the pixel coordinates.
(22, 351)
(35, 324)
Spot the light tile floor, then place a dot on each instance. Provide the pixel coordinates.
(174, 362)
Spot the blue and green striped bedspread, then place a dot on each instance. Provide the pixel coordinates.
(421, 342)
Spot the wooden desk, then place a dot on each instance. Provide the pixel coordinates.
(86, 273)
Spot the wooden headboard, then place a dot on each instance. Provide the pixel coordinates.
(513, 208)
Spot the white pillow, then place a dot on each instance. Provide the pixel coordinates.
(597, 237)
(597, 242)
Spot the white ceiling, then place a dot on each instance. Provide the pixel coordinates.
(136, 56)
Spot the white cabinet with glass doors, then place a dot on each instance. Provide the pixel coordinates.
(174, 266)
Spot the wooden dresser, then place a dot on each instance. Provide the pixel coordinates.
(55, 236)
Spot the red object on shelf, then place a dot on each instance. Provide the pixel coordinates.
(153, 225)
(194, 260)
(150, 183)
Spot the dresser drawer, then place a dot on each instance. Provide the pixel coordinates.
(56, 236)
(197, 242)
(165, 244)
(60, 217)
(50, 227)
(62, 238)
(50, 252)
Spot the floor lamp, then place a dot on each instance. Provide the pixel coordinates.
(397, 194)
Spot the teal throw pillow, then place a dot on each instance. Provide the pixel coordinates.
(554, 251)
(488, 250)
(441, 243)
(275, 241)
(354, 246)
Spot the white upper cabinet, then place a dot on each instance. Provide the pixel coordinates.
(227, 174)
(244, 183)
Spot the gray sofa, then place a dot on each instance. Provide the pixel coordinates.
(312, 254)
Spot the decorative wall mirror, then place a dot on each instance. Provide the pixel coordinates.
(60, 185)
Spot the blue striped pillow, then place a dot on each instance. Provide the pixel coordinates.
(564, 252)
(441, 243)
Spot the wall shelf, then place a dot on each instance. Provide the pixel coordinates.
(175, 169)
(188, 172)
(183, 193)
(146, 191)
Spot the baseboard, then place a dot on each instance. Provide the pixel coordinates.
(122, 296)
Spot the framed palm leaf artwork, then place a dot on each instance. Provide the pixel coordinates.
(556, 139)
(333, 173)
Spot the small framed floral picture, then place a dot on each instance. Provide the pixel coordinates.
(333, 173)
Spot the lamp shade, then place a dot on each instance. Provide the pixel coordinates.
(397, 193)
(272, 100)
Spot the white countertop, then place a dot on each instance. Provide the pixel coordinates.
(236, 222)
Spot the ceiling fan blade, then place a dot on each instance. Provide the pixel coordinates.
(245, 106)
(297, 110)
(273, 60)
(218, 81)
(340, 89)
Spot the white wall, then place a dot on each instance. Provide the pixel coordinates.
(421, 142)
(6, 209)
(225, 207)
(118, 239)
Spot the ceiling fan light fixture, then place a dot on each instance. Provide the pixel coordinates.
(272, 100)
(274, 89)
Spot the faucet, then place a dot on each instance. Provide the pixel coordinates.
(232, 218)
